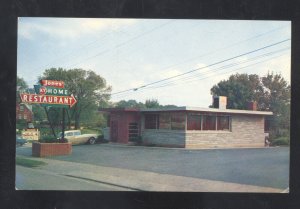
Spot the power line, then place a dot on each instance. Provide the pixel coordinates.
(104, 51)
(216, 63)
(107, 50)
(124, 43)
(226, 47)
(224, 67)
(202, 78)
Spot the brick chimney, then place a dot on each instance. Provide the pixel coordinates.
(252, 105)
(219, 102)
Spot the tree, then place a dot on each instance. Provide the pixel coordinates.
(21, 84)
(276, 98)
(88, 88)
(130, 103)
(152, 103)
(271, 92)
(239, 89)
(21, 87)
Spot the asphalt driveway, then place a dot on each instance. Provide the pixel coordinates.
(261, 167)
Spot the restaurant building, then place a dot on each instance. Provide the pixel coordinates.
(189, 127)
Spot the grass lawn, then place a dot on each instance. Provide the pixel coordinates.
(28, 162)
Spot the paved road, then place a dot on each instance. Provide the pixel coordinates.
(262, 167)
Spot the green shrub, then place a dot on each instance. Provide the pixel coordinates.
(281, 141)
(48, 139)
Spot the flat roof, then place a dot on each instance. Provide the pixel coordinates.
(119, 109)
(200, 109)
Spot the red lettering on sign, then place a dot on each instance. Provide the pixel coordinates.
(48, 99)
(59, 84)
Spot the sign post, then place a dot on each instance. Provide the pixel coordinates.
(63, 125)
(51, 93)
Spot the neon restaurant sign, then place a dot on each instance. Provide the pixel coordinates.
(50, 93)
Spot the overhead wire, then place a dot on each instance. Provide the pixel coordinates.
(164, 69)
(190, 80)
(227, 66)
(123, 43)
(210, 65)
(103, 51)
(151, 30)
(201, 78)
(222, 48)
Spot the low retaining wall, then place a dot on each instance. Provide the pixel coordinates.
(166, 138)
(51, 149)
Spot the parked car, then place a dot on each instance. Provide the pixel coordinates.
(20, 141)
(75, 137)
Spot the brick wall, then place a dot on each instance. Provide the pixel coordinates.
(247, 131)
(51, 149)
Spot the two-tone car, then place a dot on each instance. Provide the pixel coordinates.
(75, 137)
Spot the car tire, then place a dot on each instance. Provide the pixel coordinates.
(92, 140)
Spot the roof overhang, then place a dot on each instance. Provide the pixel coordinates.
(216, 110)
(126, 109)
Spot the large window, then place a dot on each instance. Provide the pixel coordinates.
(151, 121)
(194, 122)
(178, 121)
(165, 121)
(209, 122)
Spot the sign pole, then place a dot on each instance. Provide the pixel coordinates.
(51, 93)
(63, 124)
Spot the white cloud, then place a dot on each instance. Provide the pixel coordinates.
(68, 28)
(136, 83)
(170, 73)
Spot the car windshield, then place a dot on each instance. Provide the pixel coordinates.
(66, 134)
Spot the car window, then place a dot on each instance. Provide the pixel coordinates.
(69, 134)
(77, 133)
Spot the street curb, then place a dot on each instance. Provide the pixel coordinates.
(188, 149)
(104, 182)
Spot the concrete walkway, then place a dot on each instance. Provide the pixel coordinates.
(142, 180)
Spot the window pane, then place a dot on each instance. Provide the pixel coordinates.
(209, 122)
(178, 121)
(151, 121)
(223, 122)
(165, 121)
(194, 122)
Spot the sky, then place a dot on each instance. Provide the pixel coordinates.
(174, 61)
